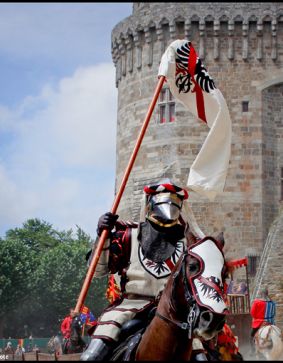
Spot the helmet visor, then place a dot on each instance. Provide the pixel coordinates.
(165, 207)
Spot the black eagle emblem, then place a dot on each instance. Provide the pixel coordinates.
(184, 80)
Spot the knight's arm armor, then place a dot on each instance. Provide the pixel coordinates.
(115, 253)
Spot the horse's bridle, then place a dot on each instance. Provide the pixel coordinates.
(191, 301)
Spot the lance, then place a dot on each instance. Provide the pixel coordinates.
(118, 197)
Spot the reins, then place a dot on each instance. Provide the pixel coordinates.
(194, 312)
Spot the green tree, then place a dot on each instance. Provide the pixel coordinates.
(18, 263)
(38, 235)
(42, 277)
(58, 281)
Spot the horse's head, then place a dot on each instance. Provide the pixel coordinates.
(202, 268)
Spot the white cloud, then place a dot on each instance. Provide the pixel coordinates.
(57, 156)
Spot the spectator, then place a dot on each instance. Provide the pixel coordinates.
(66, 329)
(66, 324)
(9, 348)
(19, 350)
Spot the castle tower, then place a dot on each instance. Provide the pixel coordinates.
(241, 45)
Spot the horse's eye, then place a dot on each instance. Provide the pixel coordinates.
(193, 266)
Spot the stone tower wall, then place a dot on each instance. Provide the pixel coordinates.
(241, 45)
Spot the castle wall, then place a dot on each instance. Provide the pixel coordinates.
(241, 45)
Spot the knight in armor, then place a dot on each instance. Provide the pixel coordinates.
(263, 311)
(142, 256)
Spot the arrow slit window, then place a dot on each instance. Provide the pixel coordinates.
(166, 106)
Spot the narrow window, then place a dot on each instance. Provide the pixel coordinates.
(245, 106)
(162, 116)
(171, 112)
(253, 261)
(166, 106)
(163, 95)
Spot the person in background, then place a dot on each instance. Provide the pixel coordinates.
(263, 311)
(66, 325)
(19, 350)
(9, 348)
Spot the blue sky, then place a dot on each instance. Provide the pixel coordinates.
(58, 110)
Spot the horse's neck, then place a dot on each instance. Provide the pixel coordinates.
(163, 340)
(173, 295)
(276, 336)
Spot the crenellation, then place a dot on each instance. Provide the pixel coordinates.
(198, 21)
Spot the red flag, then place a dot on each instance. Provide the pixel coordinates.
(238, 263)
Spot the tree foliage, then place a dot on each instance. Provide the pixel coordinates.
(18, 263)
(41, 278)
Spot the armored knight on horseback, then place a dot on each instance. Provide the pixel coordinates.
(142, 257)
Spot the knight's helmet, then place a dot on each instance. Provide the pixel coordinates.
(164, 202)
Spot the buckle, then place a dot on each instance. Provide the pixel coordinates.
(184, 325)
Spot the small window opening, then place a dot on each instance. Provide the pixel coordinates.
(166, 106)
(253, 261)
(245, 106)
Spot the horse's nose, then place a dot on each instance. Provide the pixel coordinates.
(205, 319)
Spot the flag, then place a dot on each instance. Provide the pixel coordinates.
(113, 291)
(237, 263)
(87, 317)
(85, 310)
(91, 320)
(190, 83)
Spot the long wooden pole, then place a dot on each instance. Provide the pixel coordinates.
(117, 199)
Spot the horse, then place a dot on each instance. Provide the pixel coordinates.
(268, 342)
(192, 304)
(74, 344)
(55, 345)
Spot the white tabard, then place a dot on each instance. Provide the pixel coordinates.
(145, 278)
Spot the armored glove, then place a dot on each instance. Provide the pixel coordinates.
(106, 221)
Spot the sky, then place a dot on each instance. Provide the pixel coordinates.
(58, 112)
